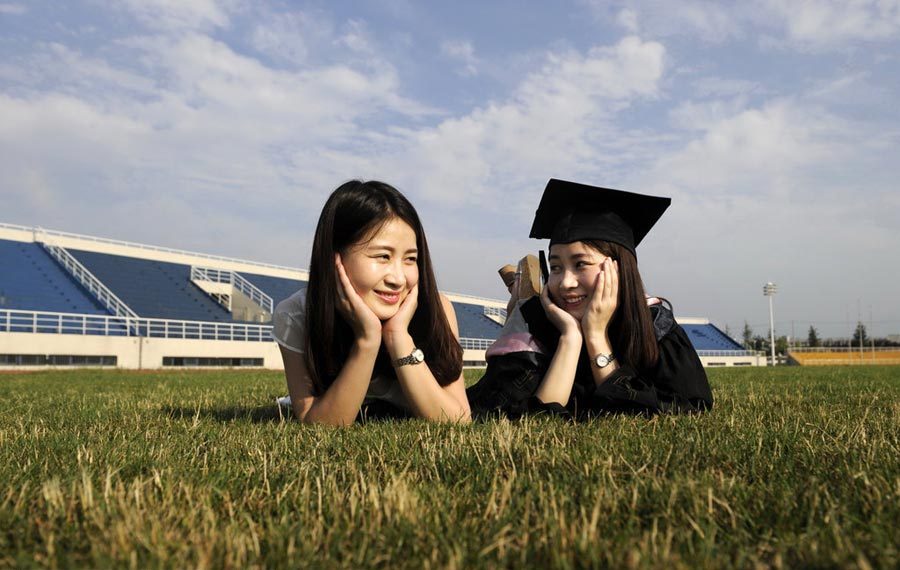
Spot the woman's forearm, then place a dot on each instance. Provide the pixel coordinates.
(427, 399)
(560, 377)
(340, 403)
(596, 345)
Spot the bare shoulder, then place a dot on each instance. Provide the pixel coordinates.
(450, 311)
(448, 306)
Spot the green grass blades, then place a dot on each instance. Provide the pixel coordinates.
(794, 468)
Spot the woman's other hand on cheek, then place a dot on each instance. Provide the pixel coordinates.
(398, 325)
(604, 300)
(365, 324)
(566, 324)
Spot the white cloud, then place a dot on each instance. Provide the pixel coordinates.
(725, 87)
(13, 9)
(193, 133)
(464, 52)
(691, 115)
(710, 21)
(289, 36)
(820, 24)
(628, 19)
(785, 191)
(169, 15)
(752, 151)
(356, 38)
(823, 22)
(556, 121)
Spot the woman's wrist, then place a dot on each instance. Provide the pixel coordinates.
(571, 339)
(598, 344)
(367, 344)
(398, 343)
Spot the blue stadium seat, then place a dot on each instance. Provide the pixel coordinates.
(278, 288)
(473, 323)
(153, 289)
(31, 280)
(709, 337)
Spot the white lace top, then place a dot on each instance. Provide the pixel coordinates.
(289, 330)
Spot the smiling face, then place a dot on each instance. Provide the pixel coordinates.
(384, 268)
(573, 271)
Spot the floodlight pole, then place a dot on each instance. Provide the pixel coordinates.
(769, 290)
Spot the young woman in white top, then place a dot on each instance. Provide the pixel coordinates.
(371, 328)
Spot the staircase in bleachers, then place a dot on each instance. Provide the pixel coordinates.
(154, 289)
(244, 300)
(32, 280)
(87, 280)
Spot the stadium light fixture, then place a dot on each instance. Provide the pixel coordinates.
(769, 290)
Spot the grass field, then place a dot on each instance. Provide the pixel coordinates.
(794, 467)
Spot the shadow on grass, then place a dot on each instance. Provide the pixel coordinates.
(256, 414)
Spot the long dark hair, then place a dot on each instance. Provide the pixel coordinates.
(354, 211)
(631, 329)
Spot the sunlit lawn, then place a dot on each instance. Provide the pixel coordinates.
(794, 467)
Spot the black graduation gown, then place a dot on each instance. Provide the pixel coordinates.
(676, 384)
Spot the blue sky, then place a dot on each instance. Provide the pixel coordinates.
(222, 127)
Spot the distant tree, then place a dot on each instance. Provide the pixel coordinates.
(860, 333)
(748, 337)
(813, 337)
(781, 345)
(759, 343)
(728, 331)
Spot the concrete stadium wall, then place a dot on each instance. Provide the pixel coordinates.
(135, 352)
(146, 353)
(720, 361)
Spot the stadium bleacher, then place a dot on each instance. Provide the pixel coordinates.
(153, 289)
(473, 323)
(32, 280)
(709, 337)
(279, 288)
(38, 294)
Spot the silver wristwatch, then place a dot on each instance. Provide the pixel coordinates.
(417, 357)
(603, 360)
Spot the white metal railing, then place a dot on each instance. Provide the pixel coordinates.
(476, 343)
(106, 325)
(91, 283)
(475, 299)
(494, 312)
(727, 353)
(37, 231)
(237, 281)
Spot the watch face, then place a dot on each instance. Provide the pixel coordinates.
(418, 355)
(602, 360)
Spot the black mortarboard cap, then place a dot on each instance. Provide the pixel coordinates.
(570, 211)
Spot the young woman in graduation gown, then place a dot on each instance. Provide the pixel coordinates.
(592, 342)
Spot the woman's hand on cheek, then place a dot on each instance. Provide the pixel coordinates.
(565, 323)
(399, 323)
(365, 324)
(604, 301)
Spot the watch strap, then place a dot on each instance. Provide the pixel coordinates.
(415, 357)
